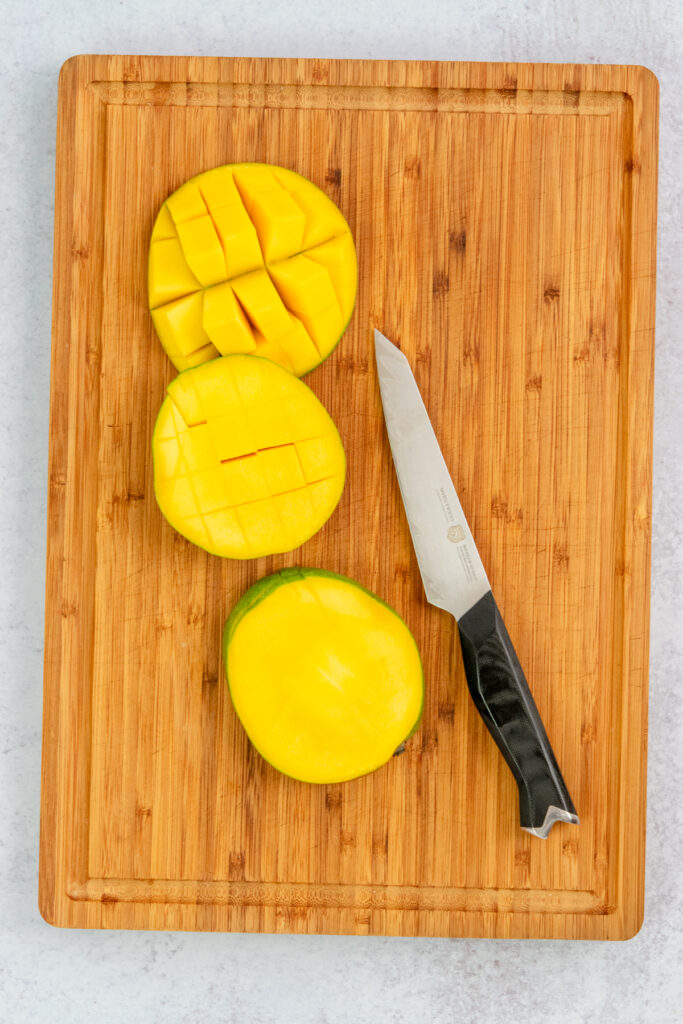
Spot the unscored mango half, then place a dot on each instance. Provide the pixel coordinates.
(251, 258)
(247, 461)
(325, 677)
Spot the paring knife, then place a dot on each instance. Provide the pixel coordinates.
(455, 580)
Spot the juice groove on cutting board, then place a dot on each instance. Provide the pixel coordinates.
(504, 217)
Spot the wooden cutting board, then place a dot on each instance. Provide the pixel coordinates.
(504, 217)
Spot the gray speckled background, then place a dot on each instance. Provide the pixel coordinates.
(72, 976)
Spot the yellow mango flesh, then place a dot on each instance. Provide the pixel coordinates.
(338, 685)
(251, 258)
(247, 462)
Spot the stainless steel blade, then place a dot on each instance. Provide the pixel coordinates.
(452, 572)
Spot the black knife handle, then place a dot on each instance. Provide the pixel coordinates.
(503, 699)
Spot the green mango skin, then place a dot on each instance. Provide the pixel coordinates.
(262, 588)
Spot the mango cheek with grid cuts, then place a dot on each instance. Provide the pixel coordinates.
(251, 258)
(247, 462)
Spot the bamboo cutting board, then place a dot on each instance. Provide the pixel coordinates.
(504, 217)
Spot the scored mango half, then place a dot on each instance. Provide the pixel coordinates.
(247, 462)
(251, 258)
(325, 677)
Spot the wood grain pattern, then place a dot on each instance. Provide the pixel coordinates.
(504, 217)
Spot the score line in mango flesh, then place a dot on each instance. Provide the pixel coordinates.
(251, 258)
(247, 461)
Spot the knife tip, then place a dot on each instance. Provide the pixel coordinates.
(384, 347)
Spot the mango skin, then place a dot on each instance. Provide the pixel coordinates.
(262, 589)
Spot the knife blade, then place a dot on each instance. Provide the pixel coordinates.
(455, 580)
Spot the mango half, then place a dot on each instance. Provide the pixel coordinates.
(247, 462)
(251, 258)
(325, 677)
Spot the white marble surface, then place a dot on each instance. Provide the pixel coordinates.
(78, 976)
